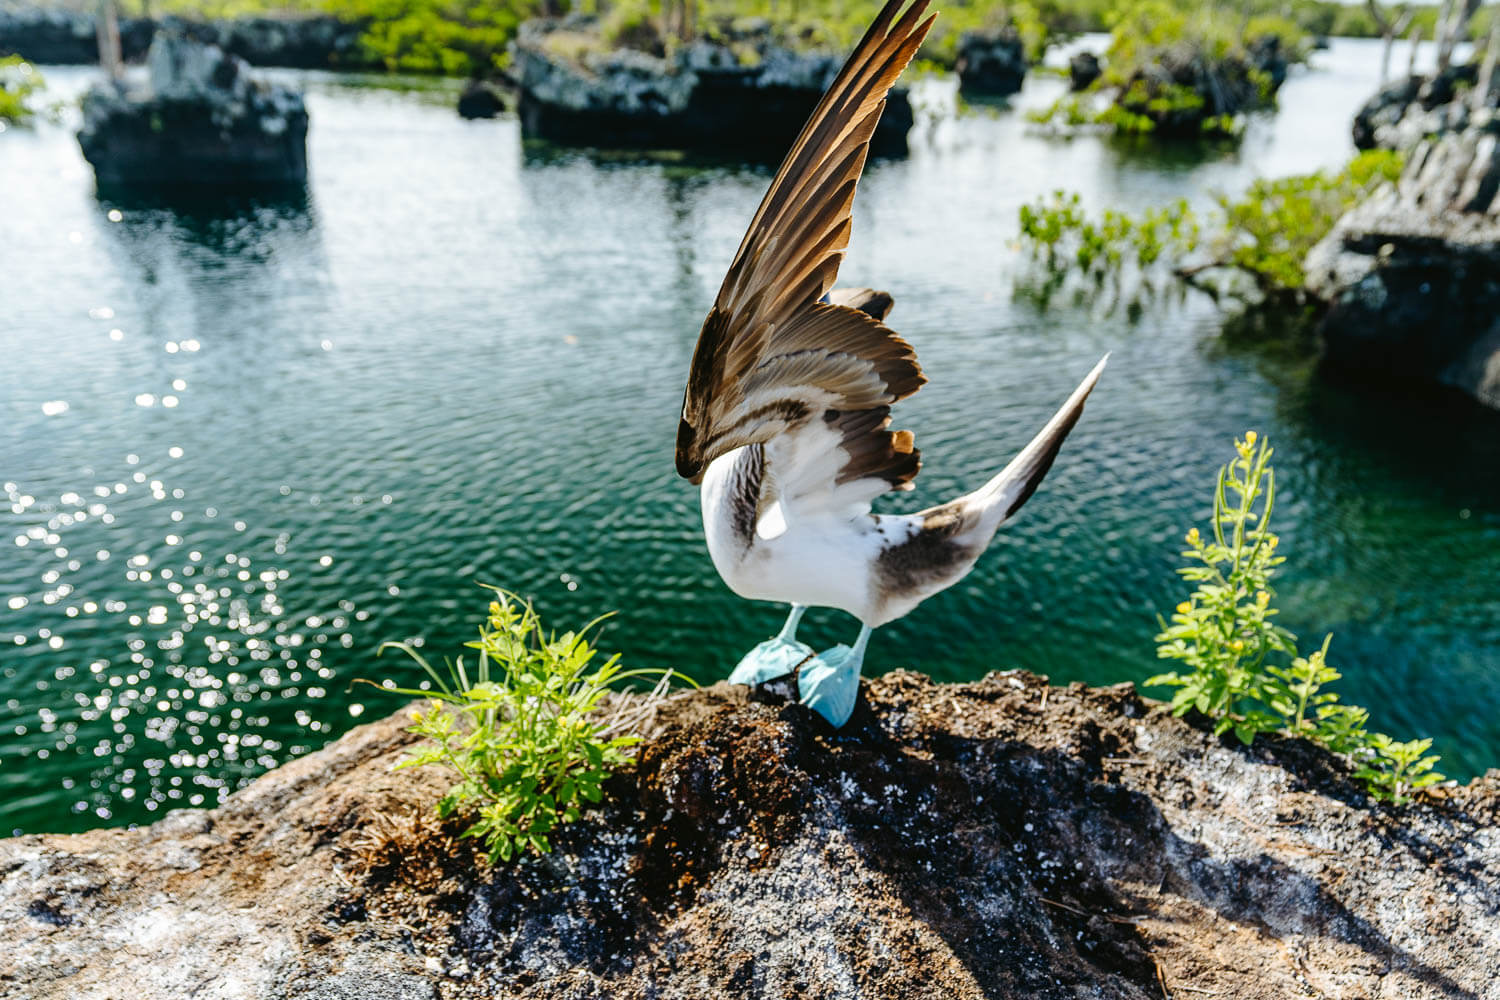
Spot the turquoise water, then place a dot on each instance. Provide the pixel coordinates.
(241, 446)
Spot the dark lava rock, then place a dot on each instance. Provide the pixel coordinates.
(481, 99)
(59, 36)
(1409, 110)
(1002, 839)
(51, 35)
(1083, 70)
(703, 98)
(1412, 274)
(991, 62)
(203, 123)
(318, 42)
(1268, 56)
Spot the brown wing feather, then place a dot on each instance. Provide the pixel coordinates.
(741, 387)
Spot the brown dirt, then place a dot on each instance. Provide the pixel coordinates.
(997, 839)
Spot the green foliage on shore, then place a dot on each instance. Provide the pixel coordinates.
(20, 86)
(462, 37)
(1183, 70)
(1257, 242)
(450, 37)
(1243, 670)
(1269, 232)
(525, 733)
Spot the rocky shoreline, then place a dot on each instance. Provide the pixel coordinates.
(53, 36)
(749, 99)
(997, 839)
(1411, 276)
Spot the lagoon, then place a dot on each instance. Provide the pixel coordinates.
(242, 445)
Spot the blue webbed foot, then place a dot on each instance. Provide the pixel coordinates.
(829, 685)
(775, 657)
(771, 659)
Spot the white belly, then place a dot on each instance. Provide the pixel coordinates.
(807, 564)
(819, 561)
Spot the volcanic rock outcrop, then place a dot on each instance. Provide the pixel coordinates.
(1412, 274)
(203, 122)
(991, 62)
(990, 840)
(747, 99)
(59, 35)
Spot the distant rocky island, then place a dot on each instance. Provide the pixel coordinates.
(1004, 838)
(991, 63)
(741, 95)
(201, 121)
(54, 35)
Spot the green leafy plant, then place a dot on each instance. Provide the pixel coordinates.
(1256, 242)
(1243, 670)
(1224, 632)
(20, 83)
(1269, 232)
(1395, 770)
(1186, 69)
(468, 36)
(523, 730)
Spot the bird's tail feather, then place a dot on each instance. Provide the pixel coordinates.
(1002, 496)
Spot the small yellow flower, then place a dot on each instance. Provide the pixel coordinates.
(1184, 608)
(1262, 598)
(1237, 646)
(1250, 437)
(1193, 537)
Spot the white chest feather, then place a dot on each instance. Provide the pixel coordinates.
(763, 552)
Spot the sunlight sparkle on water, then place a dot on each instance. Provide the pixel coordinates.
(175, 717)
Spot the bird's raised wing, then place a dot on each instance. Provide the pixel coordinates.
(775, 355)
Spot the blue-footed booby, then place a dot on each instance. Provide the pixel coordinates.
(786, 416)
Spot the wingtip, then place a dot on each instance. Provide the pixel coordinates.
(1089, 380)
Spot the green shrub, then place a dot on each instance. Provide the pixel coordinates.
(1188, 70)
(1224, 632)
(1067, 240)
(1398, 769)
(1269, 232)
(1263, 236)
(1243, 670)
(20, 85)
(523, 733)
(632, 24)
(452, 37)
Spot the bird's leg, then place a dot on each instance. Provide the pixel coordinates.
(775, 657)
(829, 685)
(788, 631)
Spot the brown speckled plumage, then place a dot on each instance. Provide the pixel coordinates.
(769, 340)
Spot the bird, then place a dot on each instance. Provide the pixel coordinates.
(786, 414)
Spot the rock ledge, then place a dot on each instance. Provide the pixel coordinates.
(997, 839)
